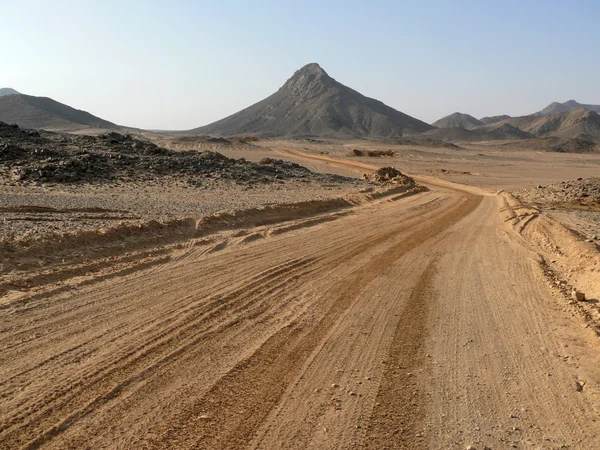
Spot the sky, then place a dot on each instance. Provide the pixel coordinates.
(183, 64)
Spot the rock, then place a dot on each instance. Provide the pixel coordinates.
(48, 157)
(579, 385)
(578, 295)
(390, 175)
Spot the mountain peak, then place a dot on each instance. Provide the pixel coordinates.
(309, 79)
(8, 91)
(312, 68)
(572, 103)
(458, 120)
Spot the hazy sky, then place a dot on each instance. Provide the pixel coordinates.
(182, 64)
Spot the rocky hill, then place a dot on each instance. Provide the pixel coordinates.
(494, 132)
(580, 124)
(571, 105)
(458, 120)
(44, 113)
(8, 91)
(494, 119)
(554, 144)
(311, 103)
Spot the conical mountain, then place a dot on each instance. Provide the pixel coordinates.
(311, 103)
(458, 120)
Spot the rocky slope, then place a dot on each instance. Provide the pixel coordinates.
(44, 113)
(311, 103)
(458, 120)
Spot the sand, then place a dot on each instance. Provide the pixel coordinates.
(396, 318)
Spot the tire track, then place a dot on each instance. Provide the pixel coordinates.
(397, 418)
(241, 400)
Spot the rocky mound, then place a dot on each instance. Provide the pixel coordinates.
(63, 158)
(43, 113)
(311, 103)
(371, 153)
(458, 120)
(204, 142)
(423, 142)
(581, 193)
(390, 175)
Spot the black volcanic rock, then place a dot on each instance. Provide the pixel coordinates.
(311, 103)
(48, 157)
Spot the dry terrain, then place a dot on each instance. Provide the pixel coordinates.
(270, 312)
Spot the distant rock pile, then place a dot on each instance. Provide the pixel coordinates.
(62, 158)
(371, 153)
(13, 131)
(390, 175)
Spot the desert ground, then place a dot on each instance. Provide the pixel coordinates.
(296, 310)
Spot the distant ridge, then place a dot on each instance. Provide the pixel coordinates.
(571, 105)
(580, 123)
(45, 113)
(458, 120)
(494, 119)
(8, 91)
(311, 103)
(494, 132)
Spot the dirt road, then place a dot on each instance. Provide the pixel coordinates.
(417, 323)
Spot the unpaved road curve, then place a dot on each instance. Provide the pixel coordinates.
(416, 323)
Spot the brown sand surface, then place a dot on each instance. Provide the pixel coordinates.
(407, 319)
